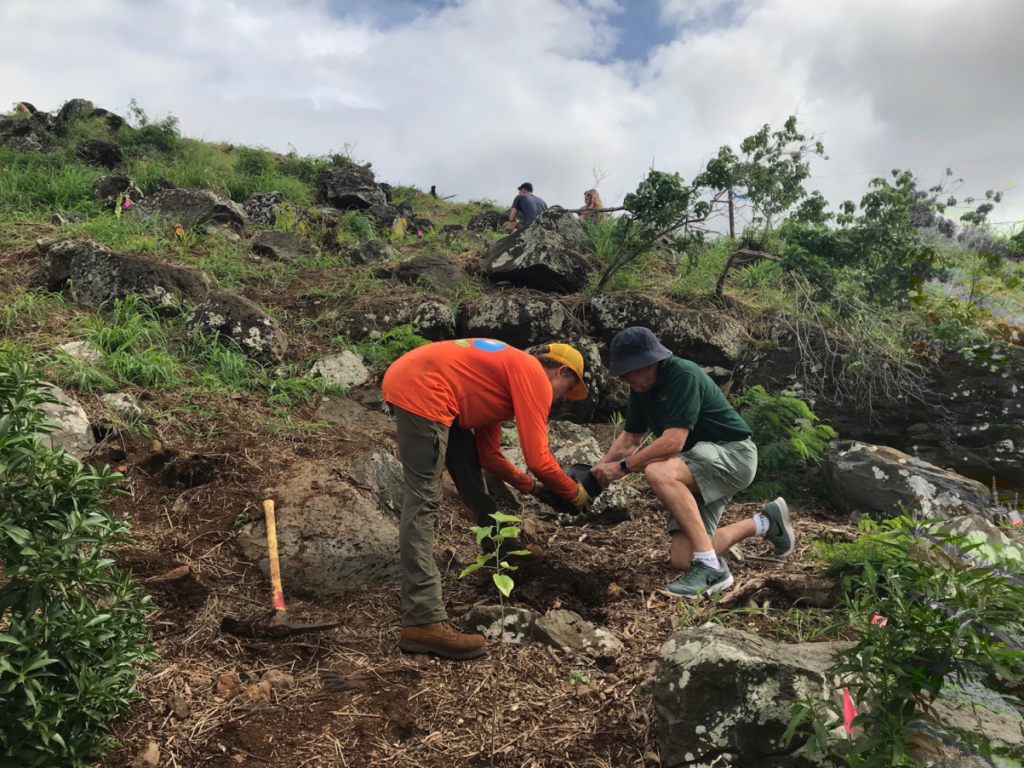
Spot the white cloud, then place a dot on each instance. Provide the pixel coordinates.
(477, 97)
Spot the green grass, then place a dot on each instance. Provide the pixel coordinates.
(21, 310)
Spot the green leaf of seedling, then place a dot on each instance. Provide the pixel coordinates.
(508, 533)
(482, 532)
(470, 568)
(504, 583)
(523, 552)
(509, 567)
(501, 517)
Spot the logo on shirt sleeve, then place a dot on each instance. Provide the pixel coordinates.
(489, 345)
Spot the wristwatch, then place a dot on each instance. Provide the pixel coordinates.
(624, 465)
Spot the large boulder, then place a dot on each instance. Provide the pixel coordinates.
(383, 473)
(74, 432)
(109, 189)
(722, 692)
(548, 255)
(235, 319)
(193, 208)
(263, 207)
(522, 319)
(434, 271)
(352, 188)
(343, 370)
(92, 274)
(434, 320)
(330, 536)
(487, 221)
(96, 152)
(706, 337)
(281, 246)
(882, 482)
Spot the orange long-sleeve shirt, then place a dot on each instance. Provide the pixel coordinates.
(482, 383)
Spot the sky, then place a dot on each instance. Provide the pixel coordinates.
(478, 96)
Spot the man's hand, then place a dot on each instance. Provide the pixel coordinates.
(607, 473)
(538, 486)
(581, 499)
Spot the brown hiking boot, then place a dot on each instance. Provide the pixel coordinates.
(441, 639)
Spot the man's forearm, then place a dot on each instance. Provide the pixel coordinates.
(623, 446)
(665, 447)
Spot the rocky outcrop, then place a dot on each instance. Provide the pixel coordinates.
(368, 250)
(883, 482)
(109, 189)
(345, 370)
(30, 134)
(352, 415)
(352, 188)
(73, 432)
(281, 246)
(382, 472)
(708, 338)
(521, 320)
(91, 274)
(434, 271)
(96, 152)
(193, 208)
(721, 692)
(487, 221)
(235, 320)
(262, 207)
(434, 320)
(395, 218)
(331, 537)
(548, 255)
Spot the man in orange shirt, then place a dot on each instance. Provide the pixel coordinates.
(450, 398)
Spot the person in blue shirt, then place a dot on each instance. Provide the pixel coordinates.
(525, 208)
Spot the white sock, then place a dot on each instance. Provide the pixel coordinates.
(762, 523)
(708, 558)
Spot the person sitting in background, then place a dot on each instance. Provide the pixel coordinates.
(525, 208)
(592, 200)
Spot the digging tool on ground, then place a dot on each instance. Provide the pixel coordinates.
(280, 624)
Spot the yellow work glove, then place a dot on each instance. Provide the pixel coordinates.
(538, 486)
(582, 498)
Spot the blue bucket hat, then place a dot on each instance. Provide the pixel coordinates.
(633, 348)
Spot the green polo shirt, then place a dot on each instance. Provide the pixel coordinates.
(685, 397)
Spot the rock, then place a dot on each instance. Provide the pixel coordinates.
(383, 473)
(384, 315)
(234, 318)
(124, 405)
(517, 625)
(331, 537)
(279, 681)
(568, 631)
(193, 208)
(718, 690)
(368, 250)
(487, 221)
(228, 686)
(75, 109)
(73, 432)
(734, 555)
(522, 320)
(434, 271)
(109, 189)
(148, 757)
(165, 184)
(96, 152)
(282, 246)
(434, 320)
(991, 545)
(98, 275)
(263, 207)
(261, 690)
(30, 142)
(344, 370)
(180, 707)
(547, 255)
(85, 351)
(57, 220)
(706, 337)
(351, 414)
(352, 188)
(881, 481)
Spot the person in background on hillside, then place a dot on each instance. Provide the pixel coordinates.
(450, 398)
(703, 454)
(525, 208)
(592, 200)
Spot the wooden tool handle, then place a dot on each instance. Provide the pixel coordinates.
(275, 566)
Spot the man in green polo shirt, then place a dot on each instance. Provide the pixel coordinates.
(702, 456)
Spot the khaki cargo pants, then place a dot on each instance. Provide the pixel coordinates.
(426, 447)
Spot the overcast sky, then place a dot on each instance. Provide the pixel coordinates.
(476, 96)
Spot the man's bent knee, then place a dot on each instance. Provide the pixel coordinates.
(661, 472)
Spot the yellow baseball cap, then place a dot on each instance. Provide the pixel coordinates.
(573, 360)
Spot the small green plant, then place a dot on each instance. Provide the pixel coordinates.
(497, 535)
(578, 676)
(786, 436)
(382, 349)
(72, 626)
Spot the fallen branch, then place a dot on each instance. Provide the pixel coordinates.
(742, 258)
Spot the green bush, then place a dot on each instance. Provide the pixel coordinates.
(787, 439)
(71, 624)
(382, 349)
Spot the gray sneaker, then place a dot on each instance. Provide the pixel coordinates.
(701, 579)
(780, 532)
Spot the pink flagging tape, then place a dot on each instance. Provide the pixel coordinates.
(848, 711)
(880, 620)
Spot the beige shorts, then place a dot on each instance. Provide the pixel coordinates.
(721, 470)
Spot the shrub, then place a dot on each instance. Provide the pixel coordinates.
(382, 350)
(73, 625)
(786, 436)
